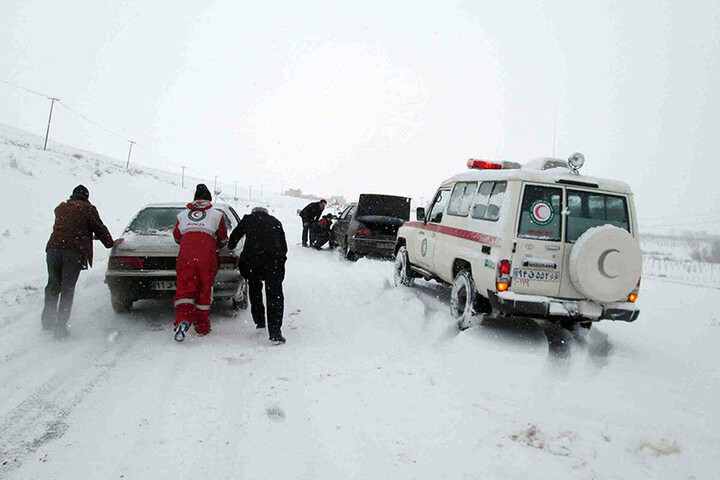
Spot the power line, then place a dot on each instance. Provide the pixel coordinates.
(75, 112)
(25, 88)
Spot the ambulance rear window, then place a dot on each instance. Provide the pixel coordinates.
(592, 209)
(540, 217)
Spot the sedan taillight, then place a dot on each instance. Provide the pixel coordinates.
(363, 232)
(125, 263)
(228, 261)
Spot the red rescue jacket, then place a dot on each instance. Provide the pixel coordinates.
(201, 232)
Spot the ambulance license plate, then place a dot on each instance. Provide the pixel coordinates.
(541, 275)
(163, 285)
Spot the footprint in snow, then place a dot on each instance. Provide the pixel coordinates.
(275, 413)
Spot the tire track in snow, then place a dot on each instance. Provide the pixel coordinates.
(41, 417)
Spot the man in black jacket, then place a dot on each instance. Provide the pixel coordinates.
(263, 260)
(310, 214)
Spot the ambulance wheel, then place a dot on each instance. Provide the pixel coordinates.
(121, 303)
(462, 299)
(402, 269)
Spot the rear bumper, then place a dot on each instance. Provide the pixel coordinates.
(556, 309)
(138, 284)
(372, 247)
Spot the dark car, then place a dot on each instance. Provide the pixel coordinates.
(370, 226)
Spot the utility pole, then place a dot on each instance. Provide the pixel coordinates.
(47, 133)
(215, 187)
(235, 197)
(129, 153)
(182, 182)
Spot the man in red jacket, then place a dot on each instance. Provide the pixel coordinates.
(201, 232)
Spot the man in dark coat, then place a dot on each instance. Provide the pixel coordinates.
(263, 260)
(68, 251)
(310, 214)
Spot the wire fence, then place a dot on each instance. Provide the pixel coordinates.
(698, 273)
(75, 124)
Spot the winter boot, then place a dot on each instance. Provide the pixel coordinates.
(60, 331)
(277, 339)
(181, 331)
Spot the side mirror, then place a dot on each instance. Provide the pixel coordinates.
(420, 212)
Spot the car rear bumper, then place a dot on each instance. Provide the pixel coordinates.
(511, 303)
(139, 284)
(373, 247)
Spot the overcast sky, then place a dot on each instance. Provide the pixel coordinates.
(389, 97)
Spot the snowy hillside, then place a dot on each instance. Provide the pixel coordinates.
(375, 382)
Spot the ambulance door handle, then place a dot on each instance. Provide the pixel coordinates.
(421, 232)
(432, 234)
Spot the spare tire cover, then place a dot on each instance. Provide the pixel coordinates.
(606, 264)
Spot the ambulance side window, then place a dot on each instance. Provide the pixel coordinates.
(438, 207)
(489, 200)
(461, 199)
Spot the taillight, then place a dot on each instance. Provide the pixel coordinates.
(634, 294)
(227, 261)
(503, 275)
(363, 232)
(504, 268)
(125, 263)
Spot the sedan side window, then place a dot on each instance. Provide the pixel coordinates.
(438, 207)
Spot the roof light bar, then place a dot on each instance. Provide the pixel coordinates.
(488, 165)
(483, 164)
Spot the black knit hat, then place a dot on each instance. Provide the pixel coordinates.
(202, 193)
(81, 191)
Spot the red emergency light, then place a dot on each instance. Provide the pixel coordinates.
(483, 165)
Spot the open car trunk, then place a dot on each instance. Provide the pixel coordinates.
(383, 215)
(381, 226)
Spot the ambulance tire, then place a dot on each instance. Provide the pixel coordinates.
(463, 299)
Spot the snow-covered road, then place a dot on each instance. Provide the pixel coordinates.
(375, 382)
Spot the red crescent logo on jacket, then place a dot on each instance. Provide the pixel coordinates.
(197, 215)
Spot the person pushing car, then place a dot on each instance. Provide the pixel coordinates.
(69, 251)
(263, 260)
(201, 232)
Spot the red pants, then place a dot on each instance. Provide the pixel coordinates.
(193, 296)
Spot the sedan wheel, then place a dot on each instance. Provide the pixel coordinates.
(121, 303)
(349, 254)
(462, 299)
(402, 269)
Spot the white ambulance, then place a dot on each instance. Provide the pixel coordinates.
(536, 240)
